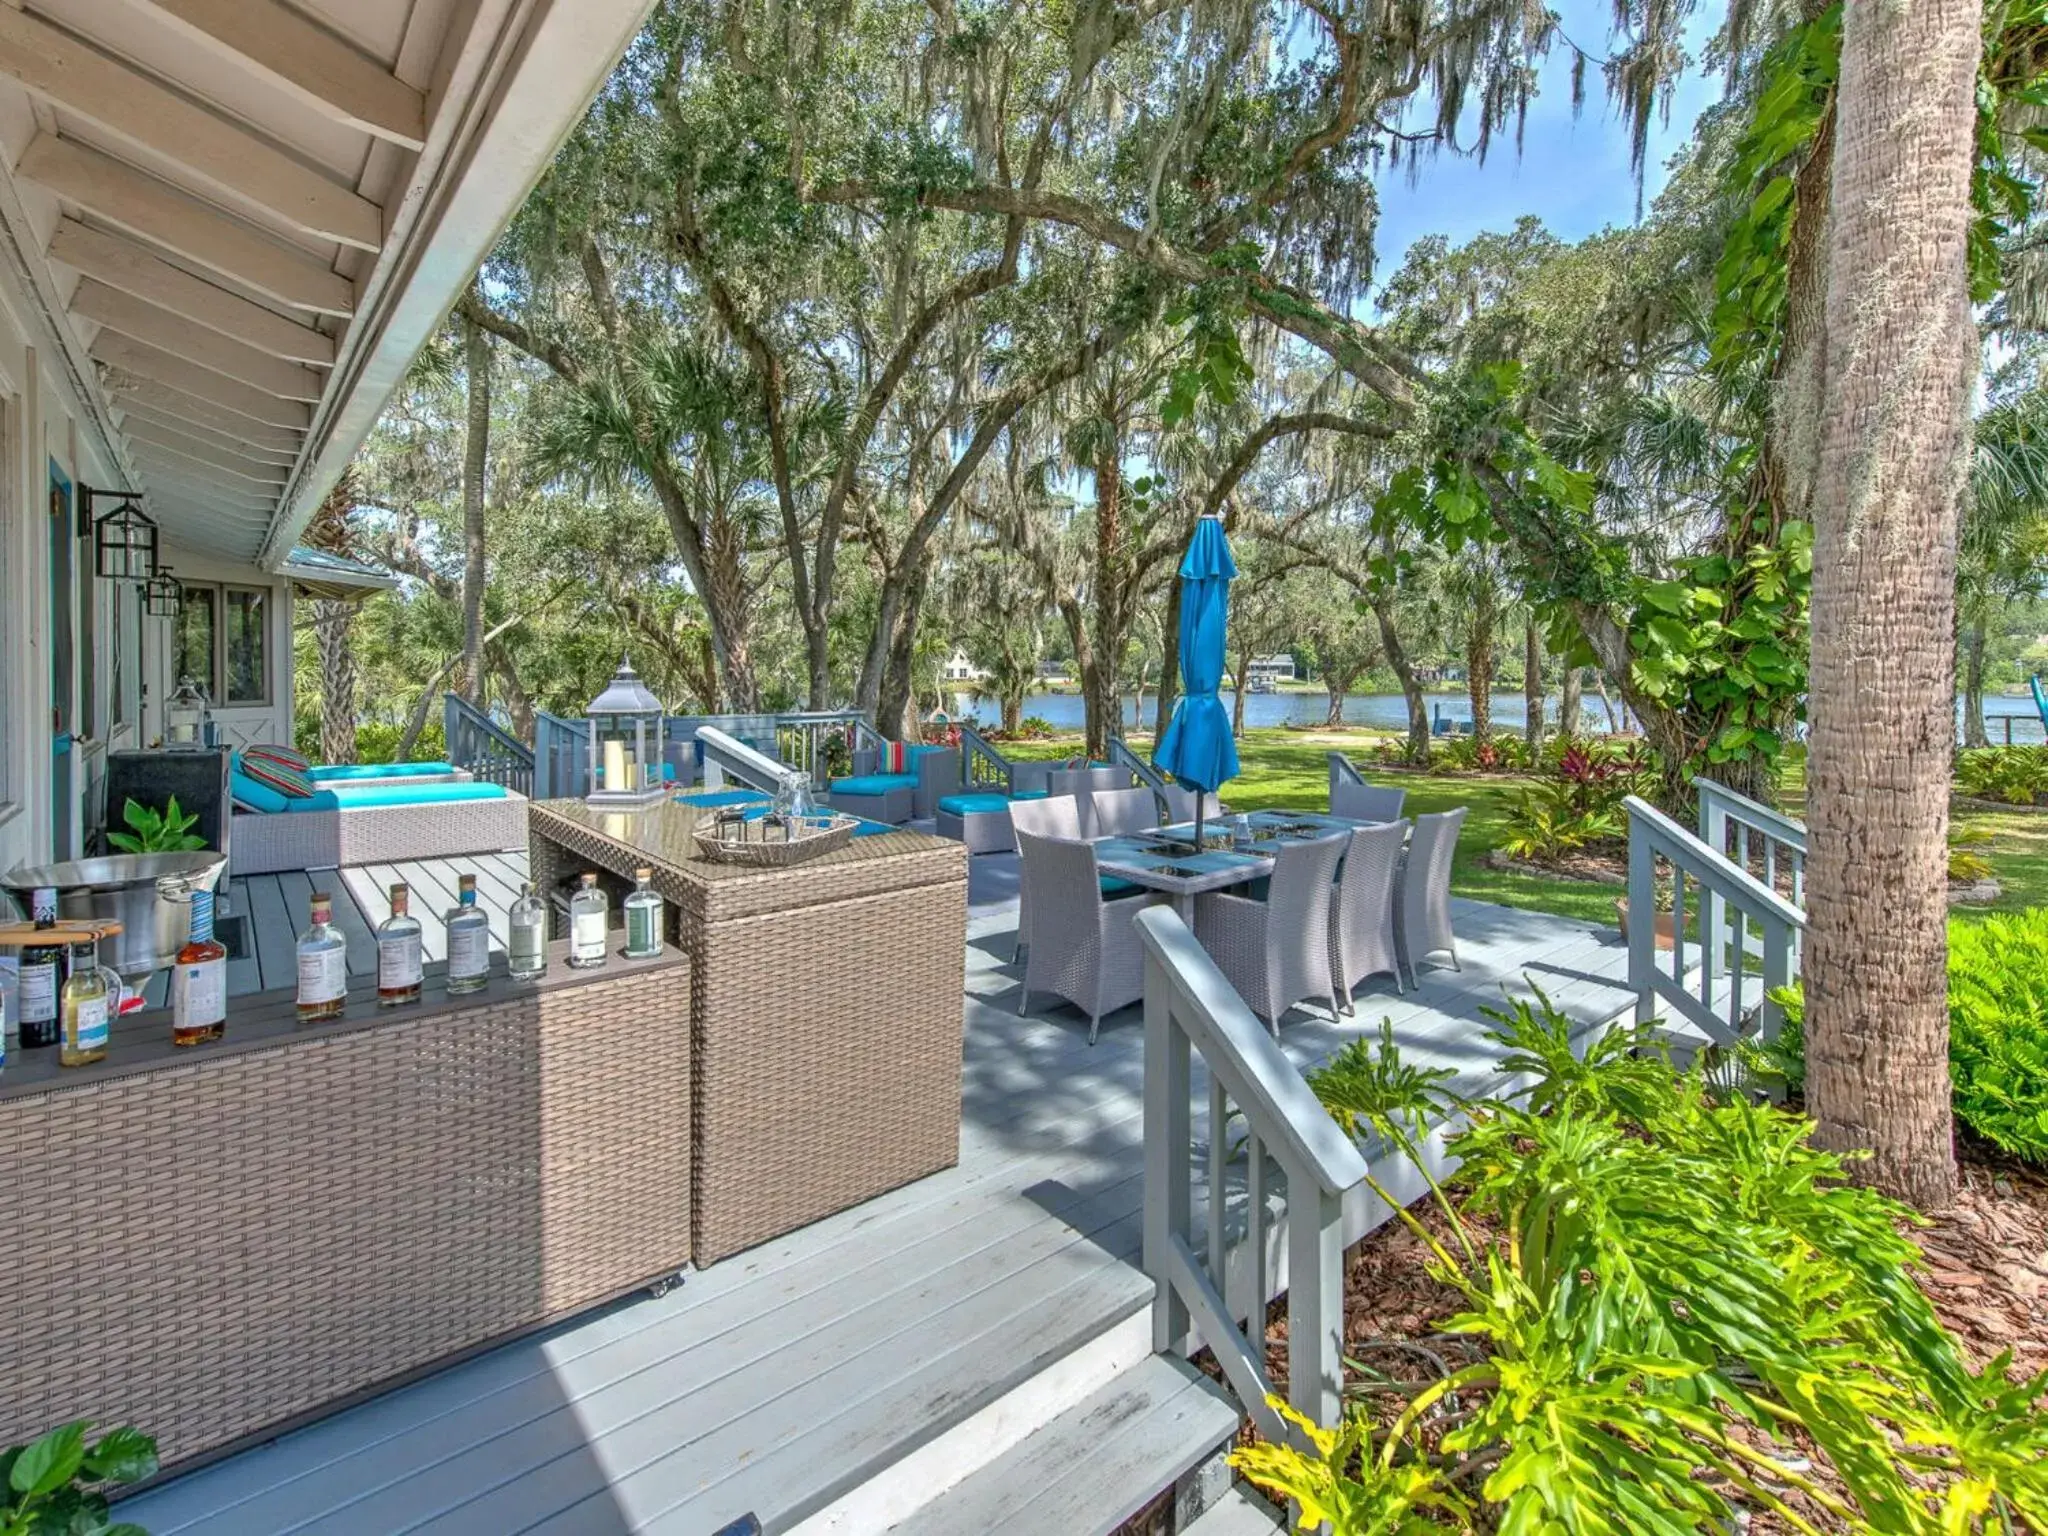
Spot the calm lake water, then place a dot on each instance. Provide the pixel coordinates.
(1063, 711)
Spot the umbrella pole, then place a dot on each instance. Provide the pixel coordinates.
(1200, 796)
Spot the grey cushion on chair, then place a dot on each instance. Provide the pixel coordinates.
(1085, 949)
(1276, 952)
(1054, 816)
(1366, 802)
(1422, 917)
(1362, 916)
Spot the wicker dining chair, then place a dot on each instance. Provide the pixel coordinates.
(1362, 916)
(1180, 805)
(1422, 917)
(1086, 949)
(1366, 802)
(1054, 816)
(1276, 952)
(1119, 812)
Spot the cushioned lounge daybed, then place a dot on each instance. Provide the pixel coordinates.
(885, 783)
(367, 823)
(387, 773)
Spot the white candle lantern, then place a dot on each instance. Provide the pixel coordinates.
(626, 744)
(186, 716)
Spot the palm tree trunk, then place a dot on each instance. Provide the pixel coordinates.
(1894, 444)
(476, 457)
(1973, 684)
(1479, 660)
(333, 624)
(1532, 687)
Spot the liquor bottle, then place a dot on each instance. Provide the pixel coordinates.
(9, 1008)
(469, 941)
(643, 917)
(85, 1009)
(398, 952)
(42, 978)
(199, 984)
(589, 918)
(323, 965)
(528, 955)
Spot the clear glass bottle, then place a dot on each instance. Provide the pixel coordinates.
(323, 965)
(9, 1009)
(469, 941)
(88, 1015)
(199, 981)
(41, 979)
(528, 954)
(398, 952)
(644, 910)
(589, 920)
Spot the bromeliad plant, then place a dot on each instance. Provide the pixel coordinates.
(1579, 804)
(153, 831)
(1670, 1304)
(53, 1486)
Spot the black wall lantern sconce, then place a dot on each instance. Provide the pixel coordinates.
(124, 541)
(162, 596)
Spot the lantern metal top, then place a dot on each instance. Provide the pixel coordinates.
(625, 694)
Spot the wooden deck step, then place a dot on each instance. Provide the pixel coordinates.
(1096, 1465)
(1241, 1512)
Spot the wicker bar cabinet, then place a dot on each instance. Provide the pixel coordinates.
(216, 1243)
(825, 1009)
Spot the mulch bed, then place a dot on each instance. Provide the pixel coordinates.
(1593, 866)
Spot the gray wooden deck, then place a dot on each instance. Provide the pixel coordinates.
(778, 1380)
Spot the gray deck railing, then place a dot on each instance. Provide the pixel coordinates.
(804, 741)
(1190, 1009)
(1740, 920)
(484, 749)
(1122, 756)
(1343, 770)
(727, 757)
(1769, 845)
(982, 767)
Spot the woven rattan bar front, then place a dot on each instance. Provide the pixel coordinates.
(825, 1006)
(214, 1243)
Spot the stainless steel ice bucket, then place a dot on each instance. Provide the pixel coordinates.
(149, 894)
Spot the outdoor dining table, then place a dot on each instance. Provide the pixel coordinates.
(1149, 858)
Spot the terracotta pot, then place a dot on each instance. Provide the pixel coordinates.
(1666, 924)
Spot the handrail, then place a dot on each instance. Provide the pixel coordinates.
(1729, 892)
(1733, 825)
(1121, 756)
(1190, 1008)
(982, 766)
(729, 757)
(561, 756)
(1343, 770)
(482, 748)
(803, 740)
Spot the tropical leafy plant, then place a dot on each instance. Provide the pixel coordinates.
(153, 831)
(1998, 1029)
(2009, 775)
(1966, 866)
(53, 1486)
(1579, 805)
(1676, 1301)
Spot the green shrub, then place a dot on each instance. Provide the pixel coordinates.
(1998, 1032)
(1675, 1302)
(1579, 805)
(2009, 775)
(52, 1486)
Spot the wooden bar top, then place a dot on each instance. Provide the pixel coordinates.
(141, 1042)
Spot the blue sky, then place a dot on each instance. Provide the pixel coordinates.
(1574, 175)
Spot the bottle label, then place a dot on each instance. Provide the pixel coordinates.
(642, 925)
(398, 962)
(199, 994)
(586, 935)
(323, 975)
(38, 991)
(526, 946)
(91, 1024)
(469, 952)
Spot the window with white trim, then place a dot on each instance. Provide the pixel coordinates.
(223, 637)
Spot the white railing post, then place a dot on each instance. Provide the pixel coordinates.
(1168, 1149)
(1315, 1298)
(1642, 923)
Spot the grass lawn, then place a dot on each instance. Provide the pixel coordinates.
(1286, 769)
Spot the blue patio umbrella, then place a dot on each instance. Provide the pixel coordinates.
(1197, 748)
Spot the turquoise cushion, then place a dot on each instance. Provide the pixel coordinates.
(1031, 794)
(719, 797)
(346, 772)
(1111, 886)
(251, 796)
(319, 800)
(355, 797)
(973, 805)
(874, 783)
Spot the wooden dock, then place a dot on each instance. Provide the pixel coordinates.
(836, 1379)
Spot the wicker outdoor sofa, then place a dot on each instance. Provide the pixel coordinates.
(266, 842)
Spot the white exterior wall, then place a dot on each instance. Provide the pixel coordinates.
(39, 421)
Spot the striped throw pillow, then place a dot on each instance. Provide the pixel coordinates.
(283, 756)
(282, 777)
(892, 757)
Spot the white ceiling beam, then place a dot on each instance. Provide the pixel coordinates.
(132, 388)
(130, 316)
(186, 440)
(144, 206)
(145, 417)
(62, 70)
(197, 488)
(148, 451)
(202, 509)
(121, 263)
(306, 61)
(131, 356)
